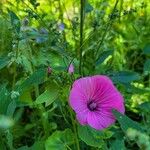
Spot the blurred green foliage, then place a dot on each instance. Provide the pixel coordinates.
(37, 34)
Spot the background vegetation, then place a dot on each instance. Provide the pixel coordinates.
(98, 37)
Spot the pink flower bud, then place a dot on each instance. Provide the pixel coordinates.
(49, 70)
(71, 69)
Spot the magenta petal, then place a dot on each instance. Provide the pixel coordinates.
(82, 117)
(77, 100)
(99, 121)
(71, 68)
(113, 101)
(93, 99)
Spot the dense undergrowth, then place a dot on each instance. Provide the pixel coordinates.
(39, 39)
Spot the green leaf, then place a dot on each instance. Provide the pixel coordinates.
(118, 144)
(146, 49)
(15, 21)
(6, 39)
(145, 107)
(126, 122)
(2, 145)
(4, 99)
(39, 145)
(93, 137)
(7, 105)
(3, 62)
(136, 90)
(11, 108)
(6, 122)
(88, 7)
(59, 140)
(48, 96)
(23, 148)
(103, 56)
(147, 66)
(36, 78)
(125, 76)
(25, 97)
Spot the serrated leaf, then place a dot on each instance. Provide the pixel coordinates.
(92, 137)
(59, 140)
(125, 122)
(125, 76)
(103, 56)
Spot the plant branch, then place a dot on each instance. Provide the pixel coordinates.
(82, 2)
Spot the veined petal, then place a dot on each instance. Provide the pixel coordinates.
(99, 121)
(113, 101)
(82, 117)
(102, 96)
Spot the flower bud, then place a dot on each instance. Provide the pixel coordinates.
(49, 70)
(71, 69)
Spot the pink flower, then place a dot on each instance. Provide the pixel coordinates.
(93, 98)
(71, 68)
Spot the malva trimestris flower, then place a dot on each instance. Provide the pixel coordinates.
(93, 98)
(71, 68)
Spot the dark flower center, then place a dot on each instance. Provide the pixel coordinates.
(92, 106)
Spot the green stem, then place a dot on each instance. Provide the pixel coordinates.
(15, 66)
(42, 112)
(100, 42)
(81, 34)
(62, 19)
(75, 130)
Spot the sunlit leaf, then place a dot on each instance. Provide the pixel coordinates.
(103, 56)
(59, 140)
(6, 122)
(48, 96)
(15, 21)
